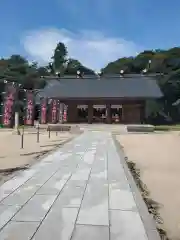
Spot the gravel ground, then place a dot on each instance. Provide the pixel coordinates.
(12, 157)
(158, 158)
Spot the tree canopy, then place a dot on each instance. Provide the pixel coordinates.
(18, 69)
(161, 61)
(165, 62)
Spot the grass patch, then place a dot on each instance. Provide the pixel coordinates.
(167, 128)
(152, 205)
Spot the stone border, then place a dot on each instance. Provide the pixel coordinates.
(41, 156)
(147, 219)
(143, 128)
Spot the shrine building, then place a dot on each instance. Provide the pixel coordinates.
(107, 99)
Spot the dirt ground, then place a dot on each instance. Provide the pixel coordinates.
(158, 158)
(13, 156)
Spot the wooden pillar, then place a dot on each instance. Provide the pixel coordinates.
(131, 114)
(108, 114)
(90, 113)
(72, 112)
(142, 112)
(122, 116)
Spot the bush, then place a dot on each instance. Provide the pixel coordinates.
(167, 128)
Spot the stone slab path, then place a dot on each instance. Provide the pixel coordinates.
(79, 192)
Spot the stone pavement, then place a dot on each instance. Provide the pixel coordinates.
(79, 192)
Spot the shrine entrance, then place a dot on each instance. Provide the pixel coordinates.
(82, 112)
(102, 112)
(99, 113)
(116, 113)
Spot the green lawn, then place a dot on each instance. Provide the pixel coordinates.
(167, 127)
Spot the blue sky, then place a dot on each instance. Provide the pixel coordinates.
(95, 31)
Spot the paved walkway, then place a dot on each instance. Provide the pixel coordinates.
(79, 192)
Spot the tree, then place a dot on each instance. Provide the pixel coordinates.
(162, 61)
(74, 65)
(120, 64)
(62, 64)
(59, 57)
(18, 69)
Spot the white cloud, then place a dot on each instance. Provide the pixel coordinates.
(91, 48)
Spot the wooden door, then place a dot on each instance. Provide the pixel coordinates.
(131, 114)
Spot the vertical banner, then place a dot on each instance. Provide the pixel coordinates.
(43, 111)
(58, 110)
(65, 113)
(61, 110)
(9, 105)
(49, 110)
(54, 111)
(29, 113)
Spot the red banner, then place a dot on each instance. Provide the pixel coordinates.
(9, 104)
(54, 110)
(29, 117)
(65, 113)
(61, 111)
(43, 115)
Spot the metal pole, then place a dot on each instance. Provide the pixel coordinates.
(16, 128)
(38, 132)
(22, 138)
(49, 132)
(56, 133)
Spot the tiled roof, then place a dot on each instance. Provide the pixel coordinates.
(104, 87)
